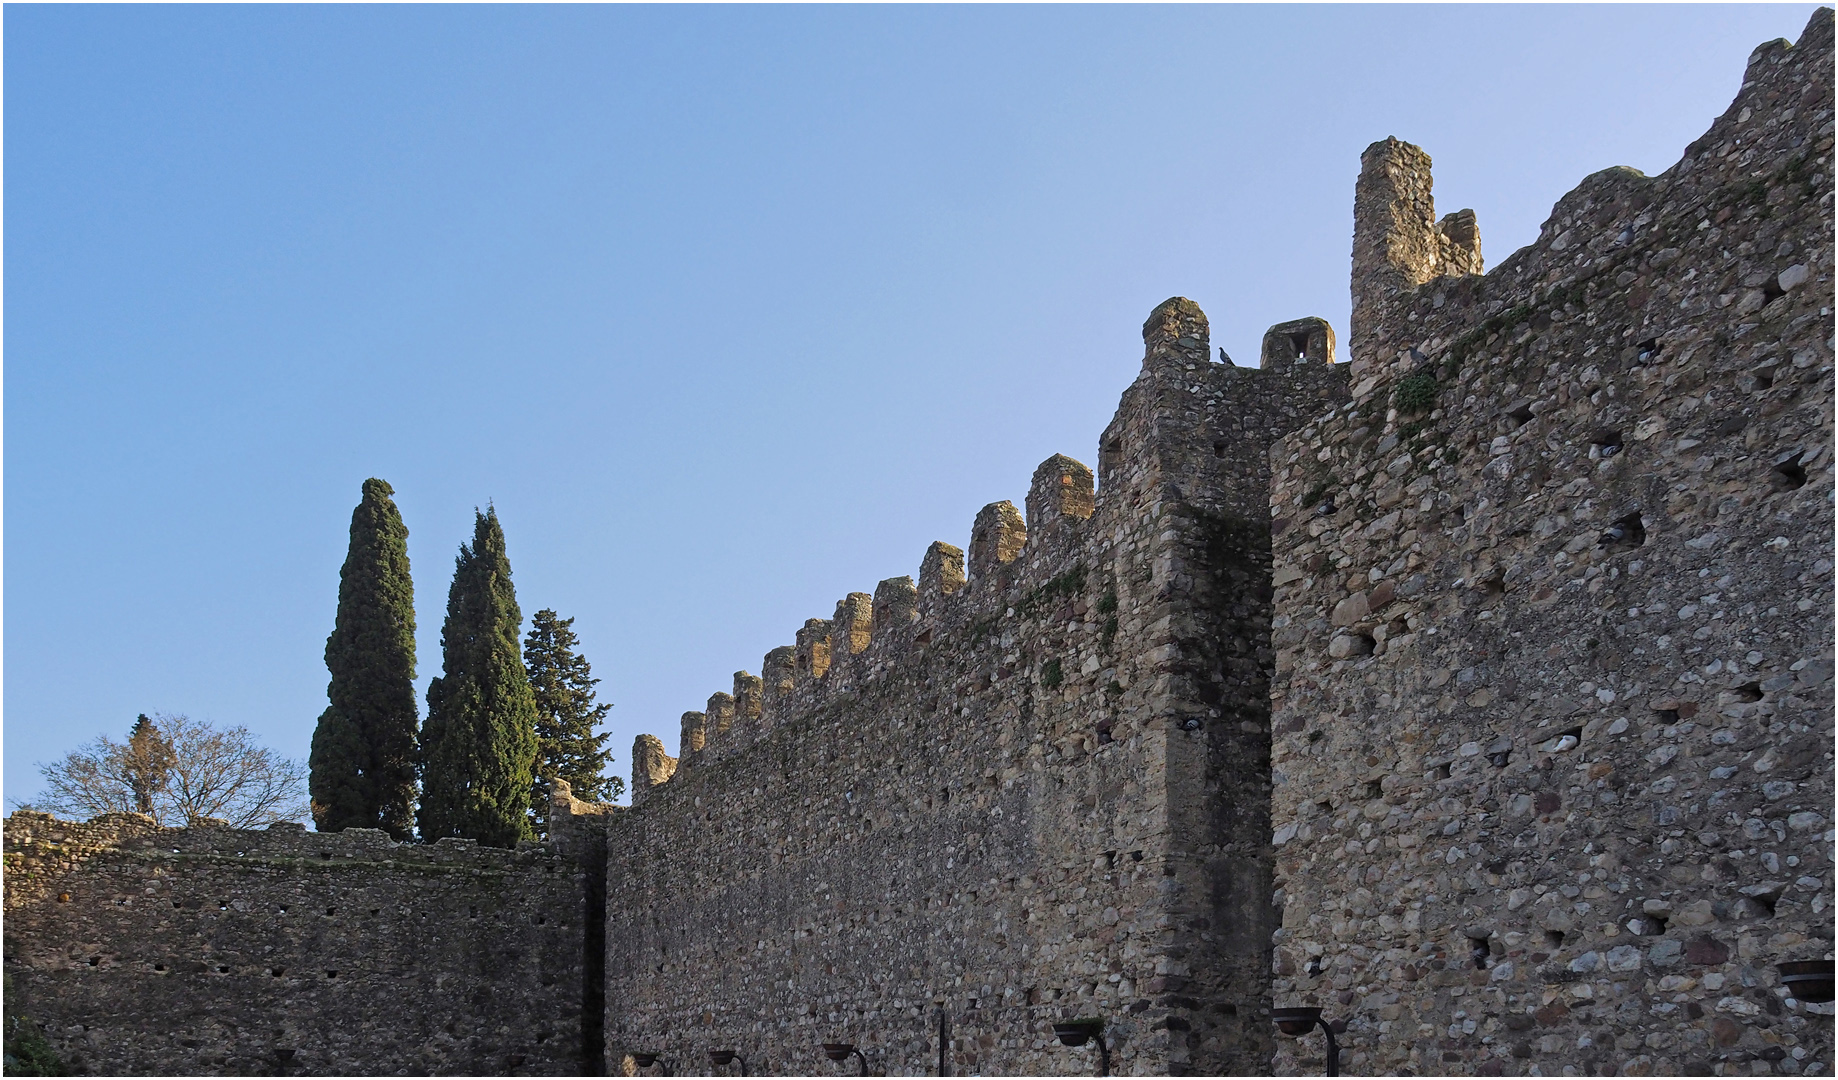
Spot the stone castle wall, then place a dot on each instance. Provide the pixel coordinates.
(1002, 796)
(1478, 691)
(150, 951)
(1553, 710)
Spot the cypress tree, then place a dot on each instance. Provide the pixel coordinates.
(362, 764)
(479, 744)
(145, 767)
(566, 716)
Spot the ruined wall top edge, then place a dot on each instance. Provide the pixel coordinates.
(1404, 276)
(280, 841)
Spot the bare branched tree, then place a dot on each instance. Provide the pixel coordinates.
(180, 771)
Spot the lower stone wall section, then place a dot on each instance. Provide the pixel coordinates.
(952, 836)
(150, 951)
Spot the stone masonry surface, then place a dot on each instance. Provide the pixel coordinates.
(1553, 702)
(1478, 691)
(1029, 796)
(145, 950)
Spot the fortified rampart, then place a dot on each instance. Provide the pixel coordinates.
(1033, 792)
(1553, 702)
(1478, 691)
(151, 951)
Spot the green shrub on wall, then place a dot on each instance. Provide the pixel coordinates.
(1415, 393)
(28, 1052)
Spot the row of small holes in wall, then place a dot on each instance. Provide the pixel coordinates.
(1630, 531)
(473, 913)
(224, 905)
(224, 969)
(1479, 950)
(1786, 475)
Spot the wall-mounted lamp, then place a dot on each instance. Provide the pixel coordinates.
(722, 1058)
(1298, 1022)
(841, 1052)
(645, 1061)
(1079, 1032)
(1808, 980)
(944, 1038)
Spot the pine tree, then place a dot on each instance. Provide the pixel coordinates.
(479, 744)
(363, 757)
(566, 716)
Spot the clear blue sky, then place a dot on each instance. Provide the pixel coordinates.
(731, 311)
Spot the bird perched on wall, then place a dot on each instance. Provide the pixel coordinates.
(1223, 359)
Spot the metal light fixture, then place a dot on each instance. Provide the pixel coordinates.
(841, 1052)
(1807, 980)
(721, 1058)
(1079, 1032)
(645, 1061)
(1301, 1020)
(944, 1038)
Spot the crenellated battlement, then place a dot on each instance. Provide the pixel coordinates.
(1010, 557)
(1301, 341)
(1109, 631)
(1398, 243)
(1486, 677)
(1543, 611)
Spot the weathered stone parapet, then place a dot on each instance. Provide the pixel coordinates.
(695, 735)
(1395, 245)
(942, 572)
(1299, 341)
(1458, 244)
(778, 677)
(896, 606)
(749, 698)
(813, 651)
(650, 766)
(1062, 489)
(852, 627)
(720, 713)
(1398, 244)
(578, 828)
(851, 632)
(996, 539)
(1177, 332)
(564, 807)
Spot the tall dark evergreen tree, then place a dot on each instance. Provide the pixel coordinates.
(146, 764)
(479, 744)
(362, 765)
(566, 716)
